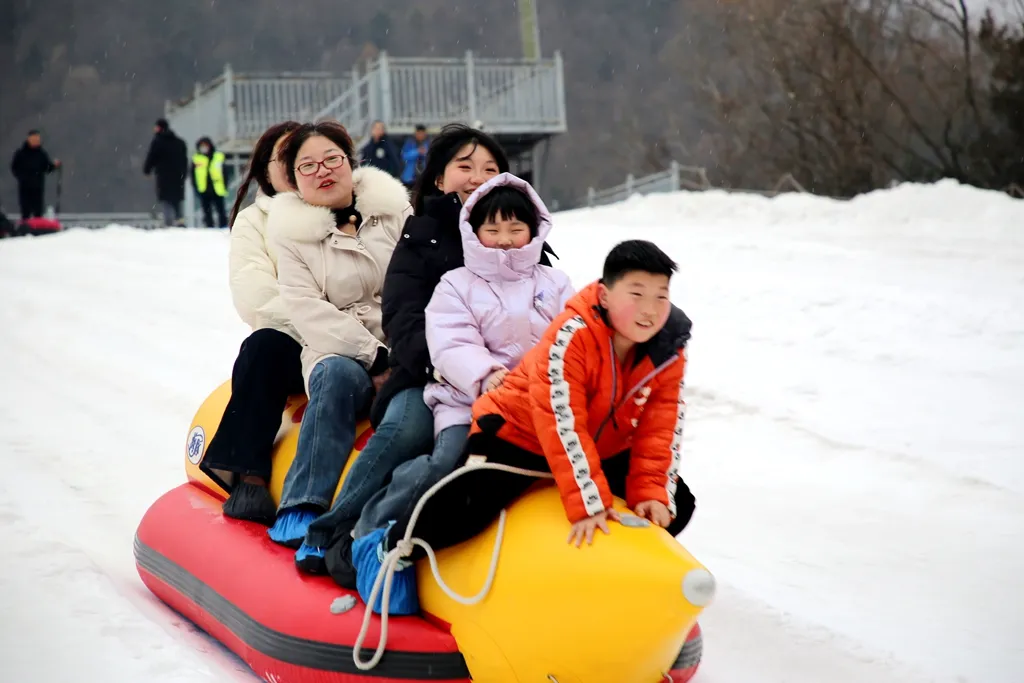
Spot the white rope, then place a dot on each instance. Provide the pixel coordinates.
(405, 547)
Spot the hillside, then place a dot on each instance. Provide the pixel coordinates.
(94, 75)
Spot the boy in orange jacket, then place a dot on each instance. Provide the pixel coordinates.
(598, 402)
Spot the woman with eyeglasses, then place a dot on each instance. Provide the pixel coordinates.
(334, 238)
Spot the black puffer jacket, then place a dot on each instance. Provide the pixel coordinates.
(430, 246)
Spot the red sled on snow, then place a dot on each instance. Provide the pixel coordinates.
(38, 226)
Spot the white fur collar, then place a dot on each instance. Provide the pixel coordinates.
(377, 194)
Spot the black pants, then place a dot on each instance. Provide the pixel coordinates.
(267, 371)
(30, 198)
(210, 203)
(466, 506)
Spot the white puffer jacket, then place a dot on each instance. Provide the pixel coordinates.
(330, 281)
(252, 267)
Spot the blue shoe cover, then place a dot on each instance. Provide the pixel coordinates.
(368, 557)
(290, 527)
(310, 559)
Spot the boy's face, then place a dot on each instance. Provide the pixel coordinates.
(638, 305)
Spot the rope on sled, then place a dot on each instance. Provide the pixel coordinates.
(405, 547)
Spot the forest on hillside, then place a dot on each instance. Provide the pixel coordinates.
(845, 95)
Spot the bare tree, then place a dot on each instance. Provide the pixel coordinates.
(847, 95)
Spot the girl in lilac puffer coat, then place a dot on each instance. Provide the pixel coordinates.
(481, 320)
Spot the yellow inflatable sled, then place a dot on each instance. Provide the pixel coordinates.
(618, 611)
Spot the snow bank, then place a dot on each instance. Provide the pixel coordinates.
(854, 434)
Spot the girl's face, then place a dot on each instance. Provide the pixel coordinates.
(471, 167)
(504, 233)
(323, 173)
(276, 171)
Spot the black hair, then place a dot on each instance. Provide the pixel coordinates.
(162, 124)
(633, 256)
(506, 203)
(34, 131)
(420, 128)
(259, 164)
(332, 130)
(443, 149)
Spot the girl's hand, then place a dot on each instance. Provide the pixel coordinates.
(495, 380)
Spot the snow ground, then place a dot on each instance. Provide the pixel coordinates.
(854, 436)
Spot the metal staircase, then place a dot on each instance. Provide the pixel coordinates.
(519, 101)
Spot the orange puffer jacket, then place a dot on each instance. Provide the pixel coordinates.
(573, 401)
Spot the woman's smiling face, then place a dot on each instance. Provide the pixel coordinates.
(323, 173)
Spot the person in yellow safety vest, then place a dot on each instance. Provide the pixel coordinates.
(210, 182)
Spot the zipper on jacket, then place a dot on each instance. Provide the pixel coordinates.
(615, 390)
(647, 378)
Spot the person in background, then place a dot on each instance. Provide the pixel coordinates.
(210, 182)
(30, 165)
(414, 154)
(380, 152)
(268, 369)
(168, 158)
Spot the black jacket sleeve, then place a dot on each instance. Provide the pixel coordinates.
(152, 158)
(408, 287)
(18, 164)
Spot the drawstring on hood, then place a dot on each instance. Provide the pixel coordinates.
(503, 264)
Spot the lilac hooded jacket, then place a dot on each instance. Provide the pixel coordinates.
(489, 313)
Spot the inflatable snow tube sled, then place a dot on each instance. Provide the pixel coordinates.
(621, 611)
(38, 226)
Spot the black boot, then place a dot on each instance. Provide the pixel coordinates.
(338, 558)
(251, 503)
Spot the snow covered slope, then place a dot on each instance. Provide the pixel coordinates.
(854, 439)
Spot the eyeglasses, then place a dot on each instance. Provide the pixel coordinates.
(311, 167)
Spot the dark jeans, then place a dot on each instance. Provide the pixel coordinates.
(467, 505)
(210, 203)
(340, 391)
(30, 198)
(406, 431)
(267, 371)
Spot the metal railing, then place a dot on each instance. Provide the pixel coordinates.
(234, 109)
(511, 96)
(669, 180)
(675, 178)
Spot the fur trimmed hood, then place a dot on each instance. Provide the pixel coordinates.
(378, 194)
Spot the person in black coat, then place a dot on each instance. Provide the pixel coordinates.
(168, 157)
(30, 165)
(381, 153)
(459, 160)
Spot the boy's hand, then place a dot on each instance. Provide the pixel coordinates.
(585, 527)
(654, 510)
(495, 380)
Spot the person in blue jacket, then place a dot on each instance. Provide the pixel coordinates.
(414, 154)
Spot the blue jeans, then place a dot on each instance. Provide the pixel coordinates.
(340, 390)
(406, 429)
(410, 481)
